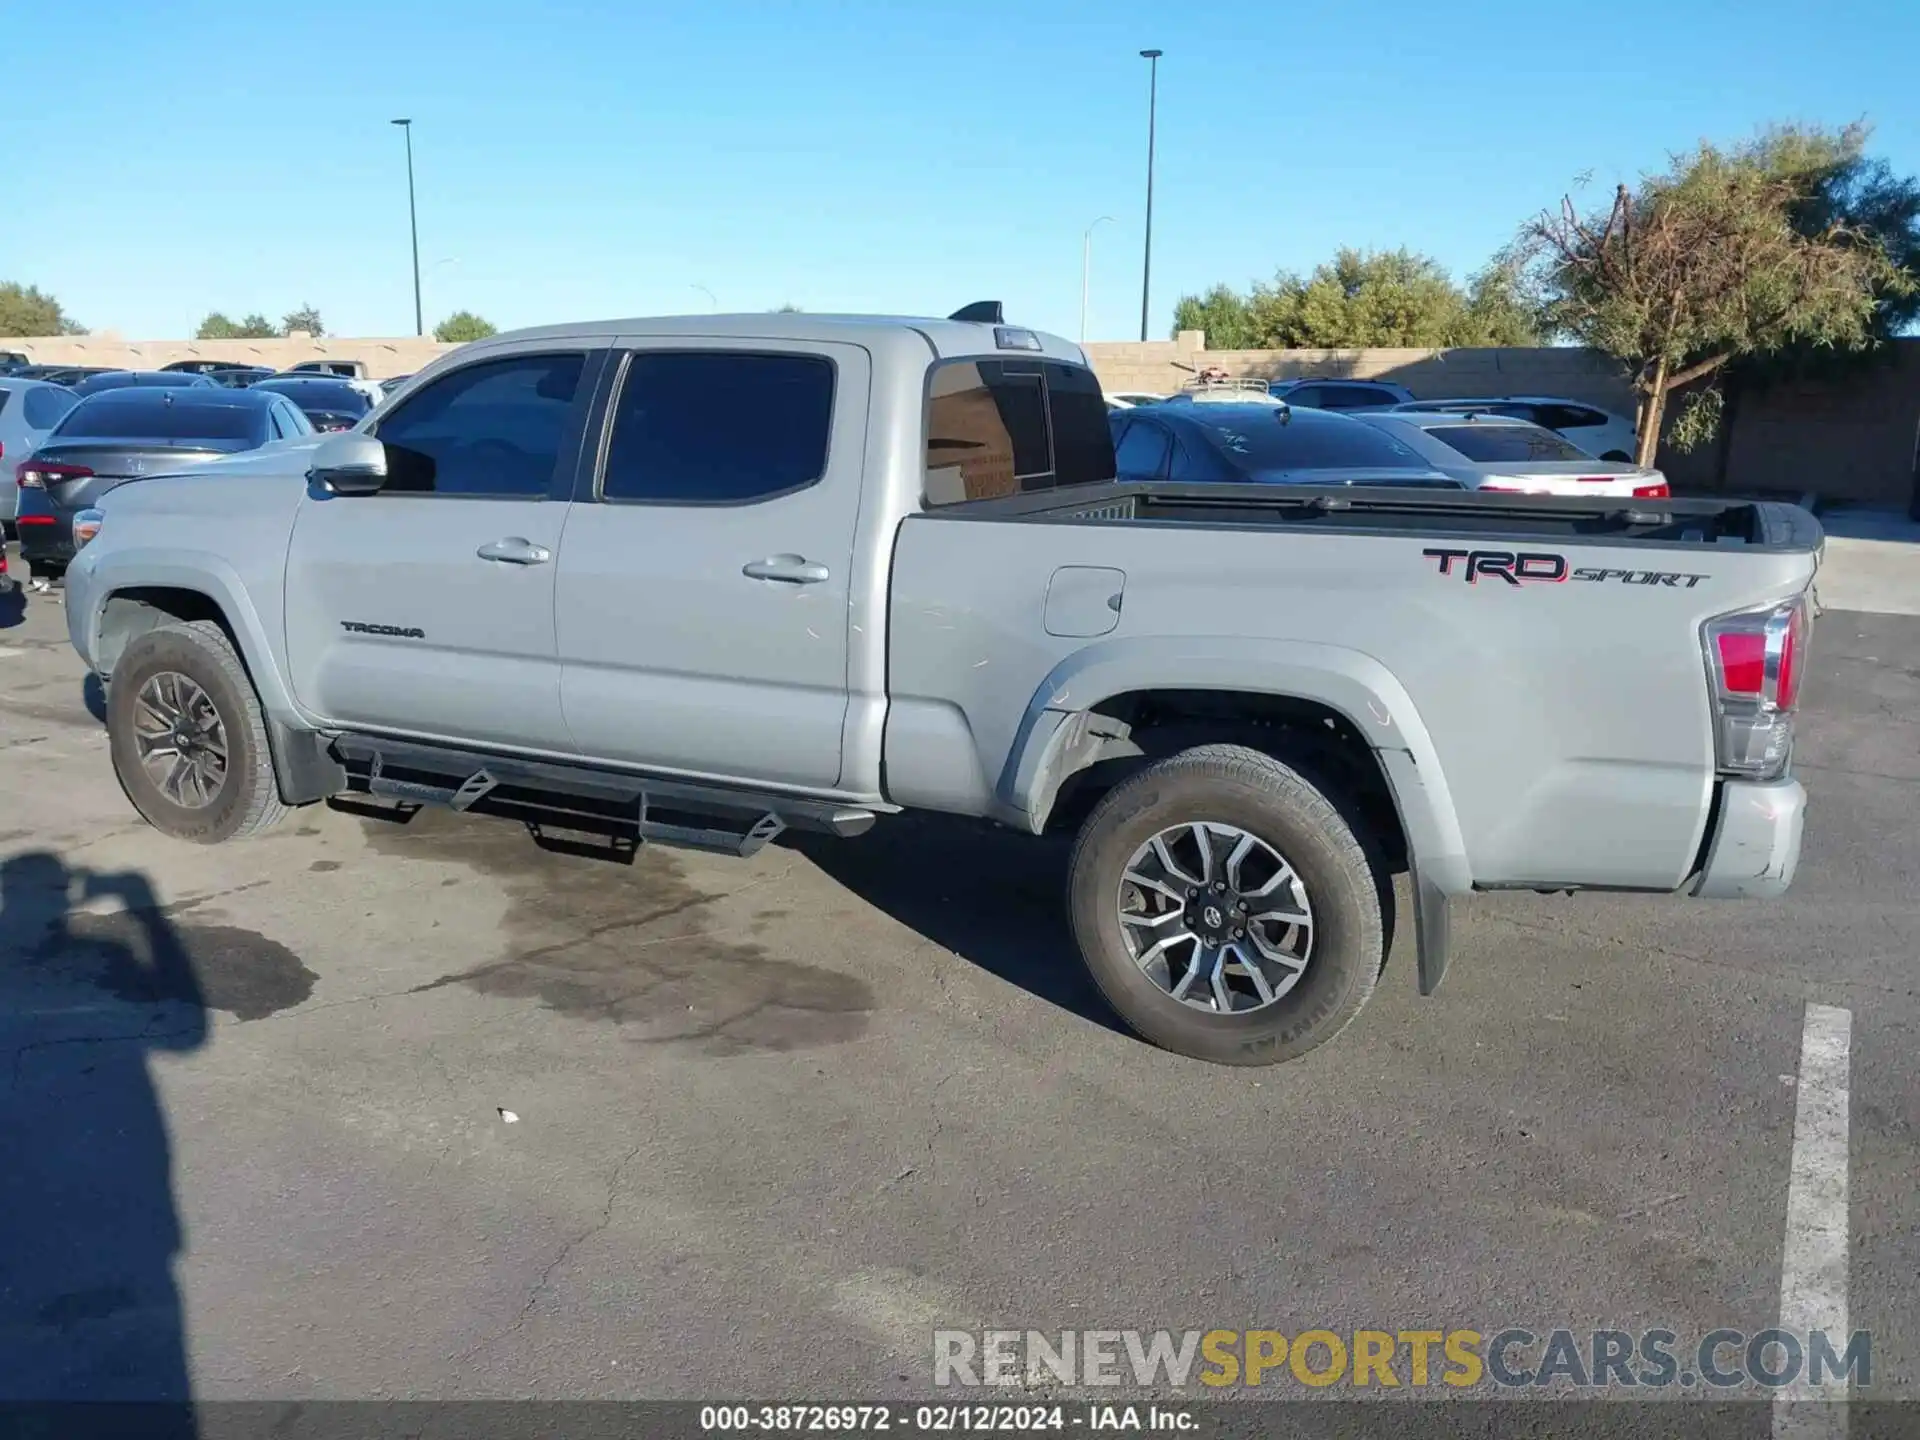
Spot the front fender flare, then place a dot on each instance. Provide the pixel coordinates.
(204, 574)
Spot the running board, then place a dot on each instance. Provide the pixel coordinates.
(552, 794)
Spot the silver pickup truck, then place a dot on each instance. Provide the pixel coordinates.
(699, 580)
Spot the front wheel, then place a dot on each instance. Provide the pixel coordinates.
(188, 737)
(1226, 909)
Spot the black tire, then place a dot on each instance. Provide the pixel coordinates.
(247, 800)
(1344, 878)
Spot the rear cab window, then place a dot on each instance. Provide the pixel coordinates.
(1010, 427)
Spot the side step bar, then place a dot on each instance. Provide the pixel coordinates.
(581, 797)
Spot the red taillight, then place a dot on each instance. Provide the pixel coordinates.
(1652, 492)
(38, 474)
(1743, 661)
(1755, 657)
(34, 520)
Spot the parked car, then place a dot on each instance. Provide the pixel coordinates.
(1498, 453)
(1131, 398)
(1223, 392)
(68, 375)
(346, 369)
(330, 403)
(1270, 444)
(107, 439)
(28, 410)
(198, 367)
(139, 379)
(238, 377)
(1254, 702)
(13, 360)
(1597, 433)
(1317, 393)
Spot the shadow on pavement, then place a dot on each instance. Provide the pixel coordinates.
(13, 607)
(989, 895)
(89, 1309)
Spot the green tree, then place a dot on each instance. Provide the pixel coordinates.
(1862, 196)
(305, 318)
(788, 309)
(1222, 314)
(216, 327)
(1710, 261)
(1361, 299)
(462, 326)
(28, 310)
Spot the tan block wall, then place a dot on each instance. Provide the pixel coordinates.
(385, 358)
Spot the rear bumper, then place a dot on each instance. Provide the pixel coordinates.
(1755, 847)
(46, 532)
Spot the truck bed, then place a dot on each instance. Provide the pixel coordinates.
(1411, 512)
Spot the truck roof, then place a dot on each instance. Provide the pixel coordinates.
(945, 338)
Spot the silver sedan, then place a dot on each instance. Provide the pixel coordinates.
(1498, 453)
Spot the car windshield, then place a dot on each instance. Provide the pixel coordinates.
(1505, 443)
(124, 415)
(310, 395)
(1279, 439)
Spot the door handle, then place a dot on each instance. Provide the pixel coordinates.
(514, 550)
(789, 569)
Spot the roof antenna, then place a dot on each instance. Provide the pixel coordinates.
(982, 312)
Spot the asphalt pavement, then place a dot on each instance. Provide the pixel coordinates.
(374, 1110)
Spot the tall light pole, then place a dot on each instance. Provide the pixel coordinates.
(1152, 57)
(413, 224)
(1086, 272)
(712, 302)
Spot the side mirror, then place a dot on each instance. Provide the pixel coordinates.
(349, 464)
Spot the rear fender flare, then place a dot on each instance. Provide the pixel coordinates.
(1347, 681)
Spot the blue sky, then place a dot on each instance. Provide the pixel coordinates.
(579, 160)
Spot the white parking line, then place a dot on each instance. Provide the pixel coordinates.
(1813, 1265)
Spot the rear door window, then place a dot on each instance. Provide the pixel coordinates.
(719, 427)
(1311, 396)
(1007, 427)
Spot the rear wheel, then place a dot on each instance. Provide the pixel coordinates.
(188, 737)
(1226, 909)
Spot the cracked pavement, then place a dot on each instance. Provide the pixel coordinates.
(781, 1118)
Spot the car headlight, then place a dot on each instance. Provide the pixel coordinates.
(86, 525)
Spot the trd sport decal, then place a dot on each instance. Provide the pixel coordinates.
(1540, 567)
(400, 632)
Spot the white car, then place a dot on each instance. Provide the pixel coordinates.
(1593, 431)
(1127, 399)
(1502, 455)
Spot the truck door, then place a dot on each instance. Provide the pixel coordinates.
(702, 606)
(427, 607)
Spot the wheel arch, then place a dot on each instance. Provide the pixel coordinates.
(1344, 705)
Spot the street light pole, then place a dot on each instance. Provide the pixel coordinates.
(413, 224)
(1086, 272)
(1152, 57)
